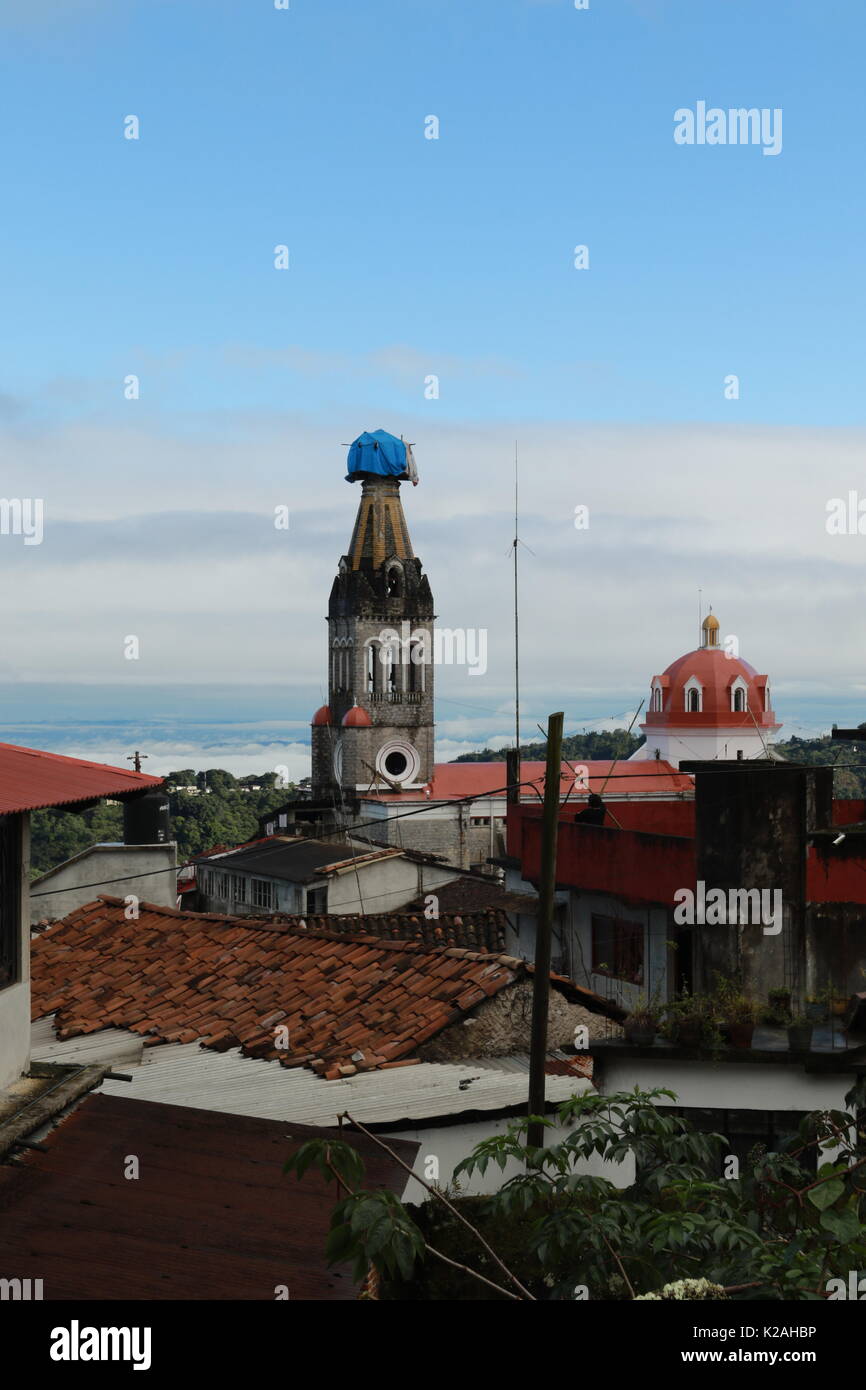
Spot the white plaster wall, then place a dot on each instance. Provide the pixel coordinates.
(449, 1144)
(15, 1000)
(732, 1086)
(684, 745)
(385, 886)
(14, 1032)
(101, 865)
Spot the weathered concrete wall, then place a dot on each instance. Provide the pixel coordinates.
(836, 948)
(147, 871)
(384, 887)
(725, 1086)
(15, 999)
(501, 1026)
(751, 824)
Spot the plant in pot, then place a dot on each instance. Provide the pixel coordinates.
(817, 1007)
(800, 1033)
(838, 1004)
(779, 1011)
(642, 1023)
(692, 1021)
(738, 1015)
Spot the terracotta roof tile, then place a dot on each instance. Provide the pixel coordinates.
(178, 976)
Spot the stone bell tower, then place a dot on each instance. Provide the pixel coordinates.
(376, 731)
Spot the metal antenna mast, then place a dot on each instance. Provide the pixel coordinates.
(516, 621)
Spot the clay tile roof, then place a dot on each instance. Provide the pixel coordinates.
(170, 974)
(473, 894)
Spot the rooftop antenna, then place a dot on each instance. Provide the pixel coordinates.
(700, 616)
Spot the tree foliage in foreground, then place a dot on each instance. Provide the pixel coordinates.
(780, 1231)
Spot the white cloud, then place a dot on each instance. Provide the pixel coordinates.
(167, 532)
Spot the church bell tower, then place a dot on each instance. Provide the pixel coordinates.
(376, 731)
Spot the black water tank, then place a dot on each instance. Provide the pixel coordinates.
(146, 819)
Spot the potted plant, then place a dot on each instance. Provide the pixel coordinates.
(779, 1001)
(738, 1014)
(816, 1007)
(800, 1033)
(839, 1005)
(692, 1022)
(641, 1025)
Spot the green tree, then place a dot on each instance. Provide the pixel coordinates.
(780, 1231)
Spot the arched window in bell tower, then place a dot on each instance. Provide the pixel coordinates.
(416, 667)
(373, 668)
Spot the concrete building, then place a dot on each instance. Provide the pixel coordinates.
(762, 887)
(148, 872)
(299, 875)
(32, 780)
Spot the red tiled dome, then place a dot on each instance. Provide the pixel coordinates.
(322, 716)
(357, 718)
(715, 673)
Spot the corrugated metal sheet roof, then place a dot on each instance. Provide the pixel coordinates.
(189, 1075)
(31, 778)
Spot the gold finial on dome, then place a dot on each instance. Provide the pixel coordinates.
(710, 630)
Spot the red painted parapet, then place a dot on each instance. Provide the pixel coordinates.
(632, 865)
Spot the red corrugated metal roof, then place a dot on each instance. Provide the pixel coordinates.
(212, 1215)
(31, 778)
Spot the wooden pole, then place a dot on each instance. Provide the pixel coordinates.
(544, 930)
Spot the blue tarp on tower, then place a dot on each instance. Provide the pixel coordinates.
(381, 453)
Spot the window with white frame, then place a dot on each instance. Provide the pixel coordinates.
(693, 695)
(263, 892)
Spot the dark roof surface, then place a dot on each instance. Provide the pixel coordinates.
(471, 893)
(477, 931)
(210, 1216)
(297, 859)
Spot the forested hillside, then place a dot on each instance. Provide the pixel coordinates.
(224, 810)
(221, 810)
(849, 779)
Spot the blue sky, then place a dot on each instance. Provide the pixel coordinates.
(305, 127)
(411, 257)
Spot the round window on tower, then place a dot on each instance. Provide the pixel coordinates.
(398, 761)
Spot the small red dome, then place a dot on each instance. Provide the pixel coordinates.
(357, 718)
(323, 716)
